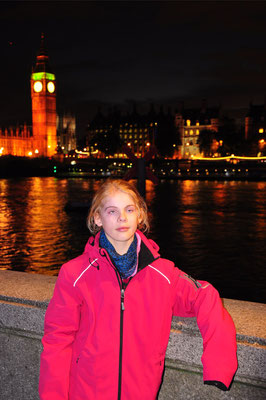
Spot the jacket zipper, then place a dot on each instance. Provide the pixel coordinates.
(122, 309)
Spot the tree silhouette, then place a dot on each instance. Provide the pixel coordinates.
(205, 141)
(108, 143)
(167, 137)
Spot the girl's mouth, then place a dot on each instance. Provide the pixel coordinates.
(122, 229)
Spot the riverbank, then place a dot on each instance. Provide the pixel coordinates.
(250, 170)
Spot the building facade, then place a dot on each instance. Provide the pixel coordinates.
(66, 133)
(17, 141)
(137, 131)
(190, 123)
(255, 122)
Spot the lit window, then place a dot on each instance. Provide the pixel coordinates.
(197, 132)
(188, 122)
(261, 130)
(186, 132)
(197, 123)
(191, 132)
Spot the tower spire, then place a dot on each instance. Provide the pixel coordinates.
(42, 62)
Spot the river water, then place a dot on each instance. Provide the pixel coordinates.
(214, 231)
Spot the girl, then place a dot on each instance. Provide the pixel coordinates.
(108, 323)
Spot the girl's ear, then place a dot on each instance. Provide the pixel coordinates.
(97, 219)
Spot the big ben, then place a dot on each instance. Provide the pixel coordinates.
(43, 97)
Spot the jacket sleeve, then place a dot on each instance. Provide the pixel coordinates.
(201, 300)
(60, 326)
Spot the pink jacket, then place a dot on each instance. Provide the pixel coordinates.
(104, 341)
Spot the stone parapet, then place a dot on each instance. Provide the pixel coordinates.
(23, 301)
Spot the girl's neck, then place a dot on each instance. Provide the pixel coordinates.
(121, 247)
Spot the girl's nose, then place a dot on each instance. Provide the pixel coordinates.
(122, 216)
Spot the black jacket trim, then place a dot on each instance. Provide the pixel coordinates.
(145, 257)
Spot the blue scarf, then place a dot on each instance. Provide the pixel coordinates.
(127, 262)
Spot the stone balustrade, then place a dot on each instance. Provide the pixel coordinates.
(23, 301)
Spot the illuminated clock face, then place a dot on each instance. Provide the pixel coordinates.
(50, 87)
(37, 86)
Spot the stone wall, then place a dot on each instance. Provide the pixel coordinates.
(24, 298)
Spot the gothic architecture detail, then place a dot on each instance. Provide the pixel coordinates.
(43, 96)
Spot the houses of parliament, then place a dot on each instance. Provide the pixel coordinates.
(48, 131)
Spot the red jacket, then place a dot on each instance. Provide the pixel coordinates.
(105, 341)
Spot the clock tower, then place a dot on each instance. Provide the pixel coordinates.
(43, 97)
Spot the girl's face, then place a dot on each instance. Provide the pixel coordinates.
(118, 216)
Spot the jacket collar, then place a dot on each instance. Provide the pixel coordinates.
(148, 249)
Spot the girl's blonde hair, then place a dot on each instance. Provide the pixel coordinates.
(107, 188)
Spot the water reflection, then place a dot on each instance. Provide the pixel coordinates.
(213, 230)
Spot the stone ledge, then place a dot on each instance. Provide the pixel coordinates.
(24, 298)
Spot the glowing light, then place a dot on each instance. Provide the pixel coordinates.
(30, 153)
(37, 86)
(261, 130)
(188, 122)
(148, 144)
(37, 76)
(87, 153)
(50, 87)
(73, 163)
(229, 157)
(36, 151)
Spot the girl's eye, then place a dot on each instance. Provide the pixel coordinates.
(130, 210)
(111, 212)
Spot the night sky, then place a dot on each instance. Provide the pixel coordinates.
(106, 53)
